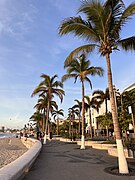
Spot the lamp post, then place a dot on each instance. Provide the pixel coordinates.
(72, 129)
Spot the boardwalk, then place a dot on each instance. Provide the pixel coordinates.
(65, 161)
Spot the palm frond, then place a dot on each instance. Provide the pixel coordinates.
(53, 78)
(127, 14)
(95, 71)
(78, 27)
(99, 92)
(89, 81)
(128, 43)
(87, 99)
(67, 76)
(124, 18)
(95, 13)
(85, 49)
(58, 84)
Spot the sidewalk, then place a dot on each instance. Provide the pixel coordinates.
(65, 161)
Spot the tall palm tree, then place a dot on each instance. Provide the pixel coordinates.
(42, 106)
(79, 107)
(49, 86)
(72, 112)
(56, 113)
(37, 118)
(80, 68)
(102, 97)
(102, 29)
(91, 103)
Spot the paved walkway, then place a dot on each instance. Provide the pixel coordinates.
(65, 161)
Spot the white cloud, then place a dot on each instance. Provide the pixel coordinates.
(16, 21)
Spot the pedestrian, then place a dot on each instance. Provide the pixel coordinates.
(25, 135)
(41, 138)
(21, 134)
(50, 135)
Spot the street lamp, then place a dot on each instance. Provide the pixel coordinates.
(72, 129)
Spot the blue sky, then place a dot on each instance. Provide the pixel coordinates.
(30, 45)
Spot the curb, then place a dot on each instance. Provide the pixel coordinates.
(18, 168)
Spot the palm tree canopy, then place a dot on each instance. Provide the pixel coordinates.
(80, 68)
(36, 117)
(78, 105)
(57, 112)
(101, 95)
(101, 27)
(92, 103)
(49, 86)
(72, 112)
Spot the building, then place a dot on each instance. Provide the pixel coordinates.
(132, 107)
(102, 110)
(94, 114)
(131, 87)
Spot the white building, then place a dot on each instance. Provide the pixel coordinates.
(130, 87)
(94, 114)
(102, 110)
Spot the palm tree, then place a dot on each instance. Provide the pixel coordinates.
(56, 114)
(102, 31)
(91, 103)
(80, 68)
(37, 118)
(79, 107)
(72, 112)
(49, 86)
(42, 106)
(105, 120)
(102, 97)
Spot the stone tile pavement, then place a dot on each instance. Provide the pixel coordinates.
(65, 161)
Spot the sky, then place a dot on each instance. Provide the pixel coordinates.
(30, 46)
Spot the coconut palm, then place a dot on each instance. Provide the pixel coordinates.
(80, 68)
(91, 103)
(56, 113)
(102, 29)
(42, 106)
(72, 112)
(37, 118)
(102, 97)
(79, 107)
(49, 86)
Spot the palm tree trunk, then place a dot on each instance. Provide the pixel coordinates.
(79, 128)
(44, 120)
(107, 132)
(90, 123)
(133, 121)
(106, 108)
(123, 167)
(82, 140)
(57, 126)
(47, 118)
(70, 128)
